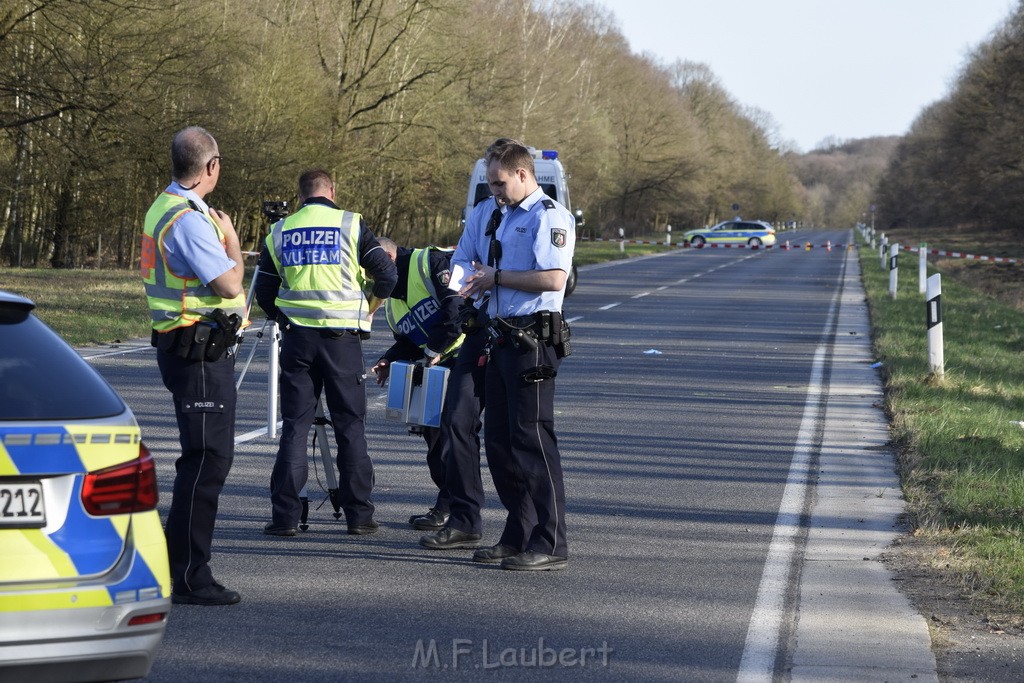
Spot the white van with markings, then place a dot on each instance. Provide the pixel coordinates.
(551, 177)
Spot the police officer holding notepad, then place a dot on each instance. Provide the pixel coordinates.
(531, 251)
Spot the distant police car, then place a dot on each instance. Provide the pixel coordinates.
(751, 233)
(84, 579)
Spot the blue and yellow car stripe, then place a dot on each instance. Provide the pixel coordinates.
(84, 545)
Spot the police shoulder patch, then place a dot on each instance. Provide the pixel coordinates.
(548, 203)
(558, 237)
(444, 277)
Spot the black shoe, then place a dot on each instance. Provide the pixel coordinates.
(449, 538)
(272, 529)
(494, 554)
(214, 594)
(363, 529)
(531, 561)
(434, 519)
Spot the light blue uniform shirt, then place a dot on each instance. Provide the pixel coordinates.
(470, 240)
(533, 237)
(193, 248)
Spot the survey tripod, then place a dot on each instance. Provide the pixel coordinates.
(271, 330)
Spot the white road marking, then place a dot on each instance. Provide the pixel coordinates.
(607, 306)
(255, 434)
(762, 645)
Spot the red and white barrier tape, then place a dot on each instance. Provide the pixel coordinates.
(807, 246)
(959, 254)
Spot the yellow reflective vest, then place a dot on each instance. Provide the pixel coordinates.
(414, 316)
(175, 301)
(316, 252)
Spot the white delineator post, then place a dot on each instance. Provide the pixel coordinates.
(882, 248)
(272, 370)
(922, 267)
(933, 304)
(894, 252)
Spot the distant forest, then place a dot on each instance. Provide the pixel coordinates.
(397, 98)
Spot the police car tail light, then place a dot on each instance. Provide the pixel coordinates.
(130, 487)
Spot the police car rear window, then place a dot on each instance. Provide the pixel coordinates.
(42, 378)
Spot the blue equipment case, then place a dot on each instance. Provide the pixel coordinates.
(416, 394)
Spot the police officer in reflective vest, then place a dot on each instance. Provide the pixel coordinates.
(310, 281)
(532, 249)
(192, 269)
(423, 314)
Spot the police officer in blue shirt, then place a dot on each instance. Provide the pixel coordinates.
(192, 268)
(531, 251)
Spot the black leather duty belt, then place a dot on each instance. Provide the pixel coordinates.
(525, 322)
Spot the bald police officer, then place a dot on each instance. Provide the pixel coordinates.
(192, 268)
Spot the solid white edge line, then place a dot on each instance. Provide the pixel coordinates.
(761, 648)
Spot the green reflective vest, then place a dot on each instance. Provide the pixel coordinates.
(316, 252)
(175, 301)
(414, 316)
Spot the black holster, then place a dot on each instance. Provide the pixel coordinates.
(201, 341)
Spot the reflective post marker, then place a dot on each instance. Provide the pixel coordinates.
(894, 252)
(668, 235)
(922, 267)
(933, 304)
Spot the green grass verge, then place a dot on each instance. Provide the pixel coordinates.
(84, 306)
(959, 437)
(598, 252)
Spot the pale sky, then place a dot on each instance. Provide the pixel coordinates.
(820, 68)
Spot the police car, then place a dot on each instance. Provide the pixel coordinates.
(751, 233)
(84, 579)
(551, 177)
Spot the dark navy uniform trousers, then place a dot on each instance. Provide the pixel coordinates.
(434, 438)
(315, 360)
(460, 421)
(522, 451)
(204, 403)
